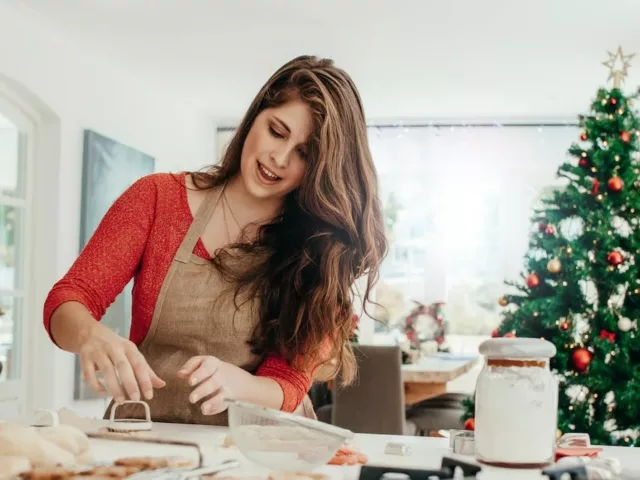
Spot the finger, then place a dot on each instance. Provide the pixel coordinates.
(215, 404)
(109, 374)
(89, 375)
(188, 368)
(207, 368)
(126, 374)
(156, 381)
(141, 370)
(206, 388)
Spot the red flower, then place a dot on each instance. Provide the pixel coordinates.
(607, 336)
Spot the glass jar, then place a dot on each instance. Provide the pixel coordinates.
(516, 407)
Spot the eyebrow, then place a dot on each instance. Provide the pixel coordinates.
(284, 125)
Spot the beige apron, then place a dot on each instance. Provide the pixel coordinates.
(195, 315)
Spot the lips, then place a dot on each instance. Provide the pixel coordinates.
(267, 174)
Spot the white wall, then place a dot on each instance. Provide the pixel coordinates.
(85, 93)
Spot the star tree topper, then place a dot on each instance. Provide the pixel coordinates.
(618, 64)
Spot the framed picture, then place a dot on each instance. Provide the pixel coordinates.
(109, 168)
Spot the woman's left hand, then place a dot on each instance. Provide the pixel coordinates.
(214, 379)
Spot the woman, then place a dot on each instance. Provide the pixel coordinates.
(243, 274)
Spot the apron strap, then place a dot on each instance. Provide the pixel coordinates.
(205, 210)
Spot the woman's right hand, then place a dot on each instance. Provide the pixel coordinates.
(125, 370)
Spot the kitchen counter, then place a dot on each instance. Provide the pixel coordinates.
(426, 452)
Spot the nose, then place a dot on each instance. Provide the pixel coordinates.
(280, 157)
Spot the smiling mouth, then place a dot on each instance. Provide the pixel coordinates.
(267, 174)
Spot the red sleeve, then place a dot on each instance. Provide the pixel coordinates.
(295, 383)
(112, 255)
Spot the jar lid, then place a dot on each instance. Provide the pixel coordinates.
(517, 348)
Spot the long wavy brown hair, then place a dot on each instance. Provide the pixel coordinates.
(330, 231)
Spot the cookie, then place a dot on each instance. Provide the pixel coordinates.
(177, 462)
(297, 476)
(119, 471)
(143, 463)
(89, 477)
(51, 473)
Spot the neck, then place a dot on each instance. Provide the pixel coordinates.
(247, 208)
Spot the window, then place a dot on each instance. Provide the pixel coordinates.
(458, 202)
(14, 210)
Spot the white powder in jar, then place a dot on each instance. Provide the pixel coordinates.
(516, 415)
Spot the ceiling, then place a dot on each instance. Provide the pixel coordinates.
(411, 59)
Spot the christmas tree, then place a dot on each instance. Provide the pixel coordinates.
(581, 289)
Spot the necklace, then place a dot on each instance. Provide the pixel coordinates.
(224, 196)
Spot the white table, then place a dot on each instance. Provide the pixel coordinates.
(426, 453)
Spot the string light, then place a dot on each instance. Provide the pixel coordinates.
(613, 353)
(617, 157)
(593, 169)
(564, 284)
(599, 197)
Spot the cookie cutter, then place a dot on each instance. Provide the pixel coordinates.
(45, 418)
(397, 448)
(574, 440)
(159, 441)
(130, 424)
(462, 442)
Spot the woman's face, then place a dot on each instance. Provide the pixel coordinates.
(274, 154)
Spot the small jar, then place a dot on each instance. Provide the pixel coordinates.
(516, 407)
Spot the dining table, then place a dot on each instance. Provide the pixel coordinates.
(425, 378)
(421, 453)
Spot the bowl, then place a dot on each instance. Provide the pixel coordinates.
(283, 441)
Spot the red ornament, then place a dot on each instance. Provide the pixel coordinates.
(509, 335)
(615, 184)
(583, 136)
(583, 162)
(607, 336)
(625, 136)
(581, 359)
(549, 230)
(533, 280)
(614, 101)
(495, 333)
(615, 258)
(470, 424)
(595, 186)
(564, 326)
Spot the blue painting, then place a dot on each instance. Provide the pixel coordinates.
(108, 169)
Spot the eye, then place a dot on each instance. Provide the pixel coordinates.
(303, 153)
(274, 133)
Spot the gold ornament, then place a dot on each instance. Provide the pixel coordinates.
(503, 302)
(554, 265)
(618, 64)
